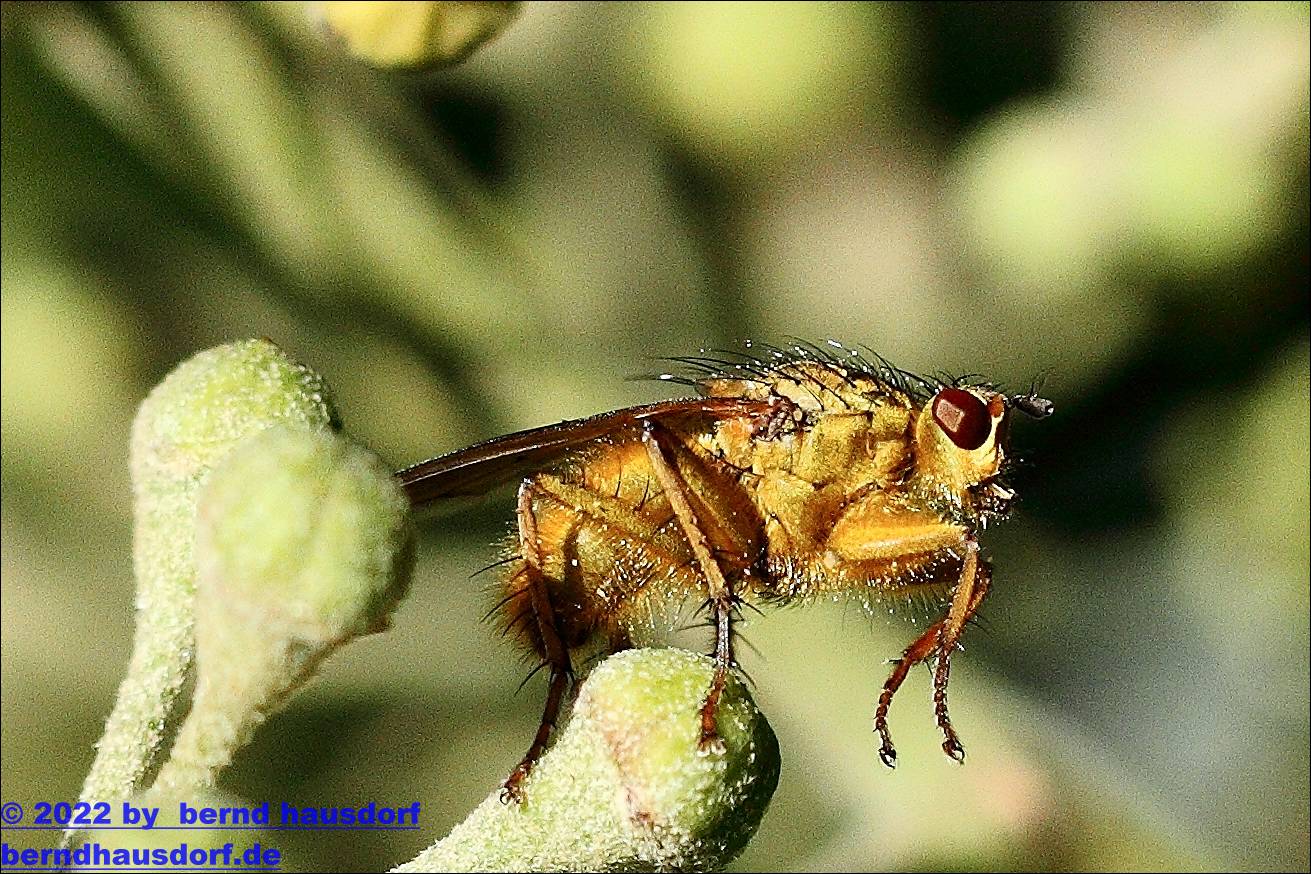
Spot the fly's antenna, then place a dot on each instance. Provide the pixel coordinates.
(1032, 405)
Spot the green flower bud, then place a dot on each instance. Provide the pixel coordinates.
(415, 34)
(188, 424)
(305, 533)
(215, 399)
(626, 786)
(303, 543)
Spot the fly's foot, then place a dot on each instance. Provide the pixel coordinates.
(951, 744)
(887, 752)
(711, 743)
(512, 789)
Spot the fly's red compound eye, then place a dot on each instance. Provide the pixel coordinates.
(963, 417)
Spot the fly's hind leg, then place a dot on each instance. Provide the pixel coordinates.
(938, 642)
(553, 649)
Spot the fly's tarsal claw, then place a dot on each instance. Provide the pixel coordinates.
(512, 789)
(711, 744)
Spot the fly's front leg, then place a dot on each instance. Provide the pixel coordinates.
(890, 550)
(917, 652)
(552, 645)
(976, 577)
(938, 642)
(721, 596)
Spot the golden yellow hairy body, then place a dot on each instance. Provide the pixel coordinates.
(850, 495)
(809, 473)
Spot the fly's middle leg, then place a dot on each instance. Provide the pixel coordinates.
(724, 662)
(722, 598)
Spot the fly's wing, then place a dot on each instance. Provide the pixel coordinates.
(483, 466)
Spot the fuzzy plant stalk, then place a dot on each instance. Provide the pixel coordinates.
(628, 786)
(303, 543)
(204, 408)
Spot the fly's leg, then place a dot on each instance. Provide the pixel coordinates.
(553, 648)
(938, 641)
(724, 662)
(722, 599)
(879, 547)
(964, 603)
(917, 652)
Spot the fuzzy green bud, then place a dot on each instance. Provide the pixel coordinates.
(627, 786)
(303, 543)
(188, 423)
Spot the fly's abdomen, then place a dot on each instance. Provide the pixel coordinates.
(612, 558)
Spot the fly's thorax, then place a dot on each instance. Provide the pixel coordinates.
(861, 448)
(811, 387)
(960, 449)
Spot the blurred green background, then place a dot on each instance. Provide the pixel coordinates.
(1113, 197)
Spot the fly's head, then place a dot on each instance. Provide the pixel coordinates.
(962, 440)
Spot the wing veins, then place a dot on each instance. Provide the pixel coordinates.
(483, 466)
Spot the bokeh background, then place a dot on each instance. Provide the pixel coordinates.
(1110, 197)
